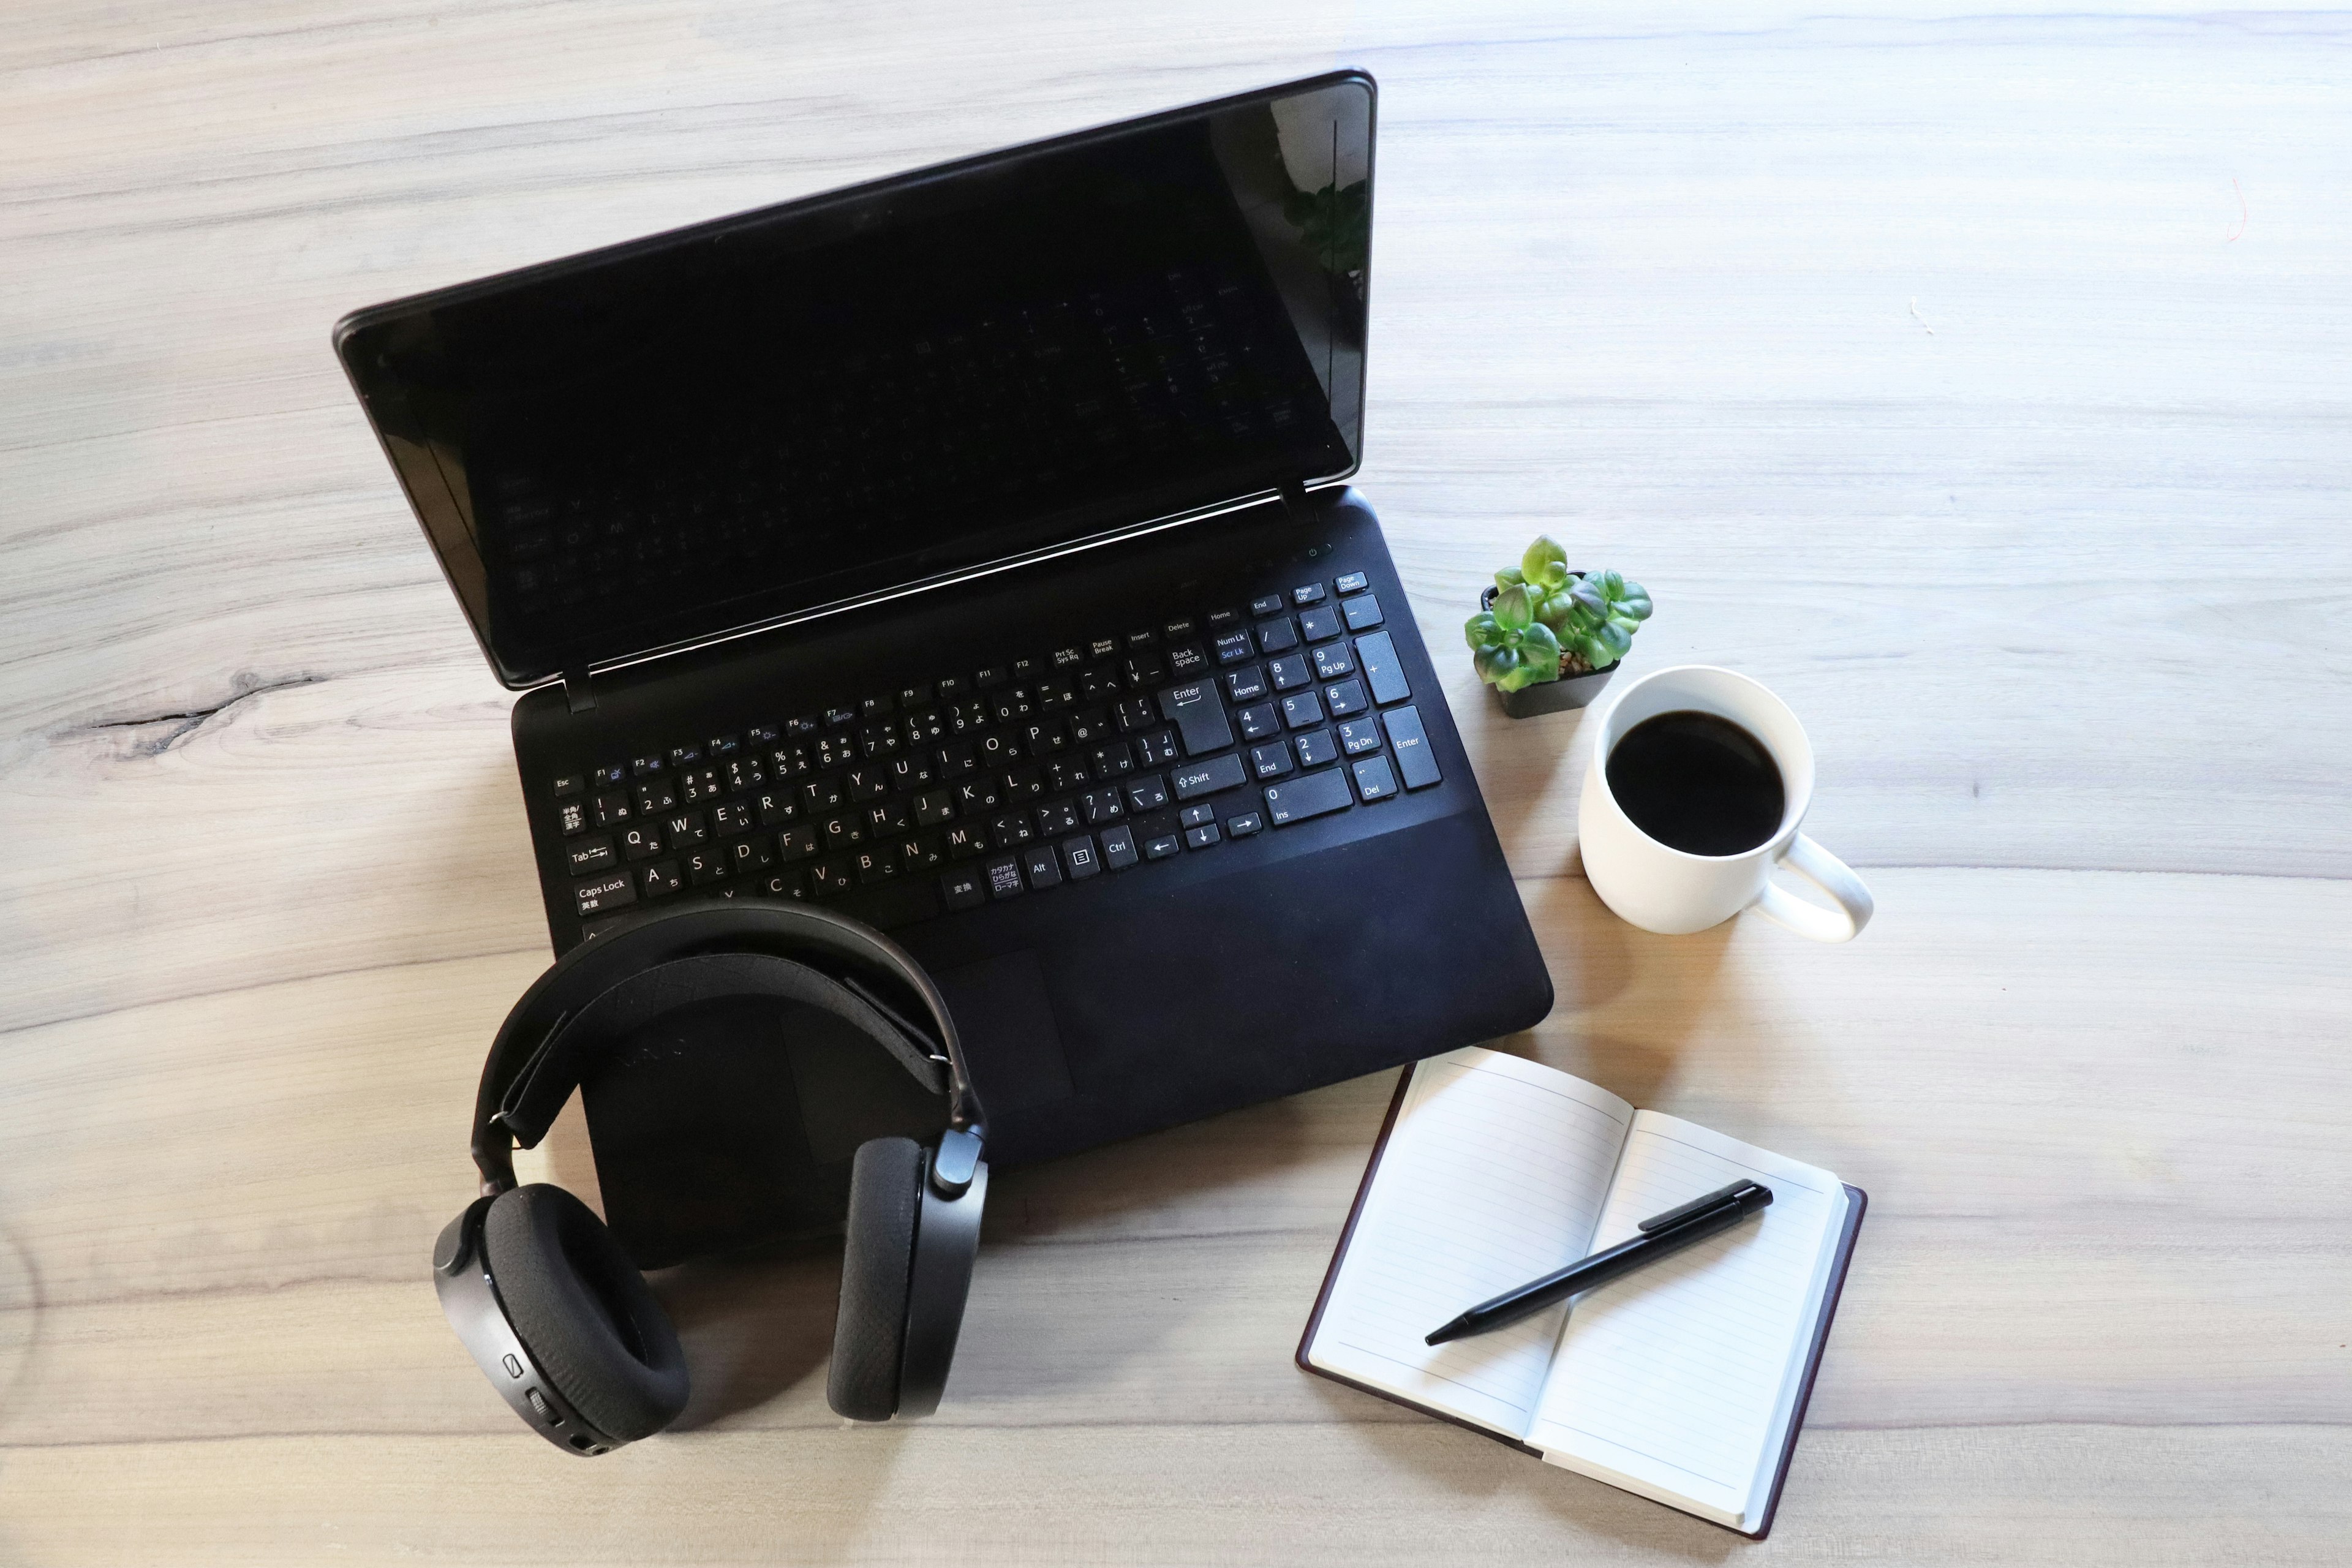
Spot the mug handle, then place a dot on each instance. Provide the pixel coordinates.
(1833, 877)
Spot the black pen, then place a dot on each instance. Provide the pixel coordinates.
(1662, 1236)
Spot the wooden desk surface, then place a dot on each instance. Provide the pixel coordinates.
(1978, 382)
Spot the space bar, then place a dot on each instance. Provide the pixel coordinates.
(1310, 796)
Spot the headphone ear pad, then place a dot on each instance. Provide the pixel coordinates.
(869, 1336)
(583, 1311)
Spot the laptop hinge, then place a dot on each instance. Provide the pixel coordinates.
(1294, 499)
(576, 691)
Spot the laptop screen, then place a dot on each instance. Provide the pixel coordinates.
(668, 441)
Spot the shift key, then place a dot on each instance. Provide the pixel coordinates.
(1198, 715)
(1207, 778)
(1310, 796)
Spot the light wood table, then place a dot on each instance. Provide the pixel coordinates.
(1982, 383)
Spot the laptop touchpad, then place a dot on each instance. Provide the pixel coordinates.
(1006, 1021)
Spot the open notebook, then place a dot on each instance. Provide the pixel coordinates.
(1685, 1382)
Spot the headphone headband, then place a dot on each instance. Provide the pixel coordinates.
(677, 956)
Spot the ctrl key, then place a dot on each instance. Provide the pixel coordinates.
(600, 895)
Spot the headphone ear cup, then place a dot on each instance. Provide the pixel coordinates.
(582, 1308)
(870, 1335)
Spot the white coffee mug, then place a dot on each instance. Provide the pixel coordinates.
(1661, 888)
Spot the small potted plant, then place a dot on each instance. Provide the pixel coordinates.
(1546, 637)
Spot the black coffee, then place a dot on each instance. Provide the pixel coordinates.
(1698, 783)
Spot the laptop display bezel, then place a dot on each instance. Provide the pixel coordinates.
(408, 445)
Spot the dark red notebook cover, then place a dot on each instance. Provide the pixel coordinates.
(1812, 1356)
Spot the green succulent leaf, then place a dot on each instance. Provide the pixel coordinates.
(1595, 652)
(1496, 664)
(1480, 630)
(1588, 597)
(1612, 585)
(1511, 611)
(1545, 563)
(1538, 646)
(1518, 680)
(1613, 638)
(1633, 605)
(1509, 577)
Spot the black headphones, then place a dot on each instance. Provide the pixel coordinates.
(543, 1296)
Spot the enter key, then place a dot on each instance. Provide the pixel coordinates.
(1199, 716)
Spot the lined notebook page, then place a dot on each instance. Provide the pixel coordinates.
(1495, 1171)
(1679, 1382)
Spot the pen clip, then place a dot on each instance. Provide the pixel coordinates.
(1697, 1207)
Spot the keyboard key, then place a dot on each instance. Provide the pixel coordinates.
(1307, 594)
(1267, 605)
(1360, 736)
(685, 830)
(570, 785)
(1194, 815)
(1241, 827)
(705, 867)
(781, 885)
(1011, 830)
(1003, 877)
(1321, 626)
(604, 894)
(1187, 661)
(1276, 637)
(1023, 784)
(1315, 748)
(1044, 866)
(1102, 648)
(1198, 716)
(1414, 760)
(639, 844)
(1364, 611)
(1058, 818)
(1312, 795)
(1161, 848)
(1102, 805)
(750, 856)
(1158, 748)
(962, 889)
(722, 747)
(743, 775)
(1222, 620)
(1149, 792)
(574, 815)
(1111, 759)
(661, 878)
(926, 853)
(657, 797)
(1258, 721)
(1352, 582)
(1331, 661)
(1346, 698)
(796, 843)
(1062, 777)
(685, 756)
(1118, 848)
(607, 773)
(967, 841)
(1233, 647)
(976, 795)
(1178, 630)
(1377, 656)
(1373, 779)
(1270, 762)
(1246, 684)
(933, 808)
(838, 717)
(1301, 708)
(1200, 837)
(1145, 668)
(589, 854)
(831, 876)
(874, 866)
(612, 809)
(732, 816)
(1134, 713)
(916, 695)
(1207, 778)
(1079, 858)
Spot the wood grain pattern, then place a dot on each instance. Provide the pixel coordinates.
(1977, 381)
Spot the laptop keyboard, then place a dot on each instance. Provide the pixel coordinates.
(1023, 774)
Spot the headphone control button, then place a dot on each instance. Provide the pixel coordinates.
(514, 1367)
(540, 1404)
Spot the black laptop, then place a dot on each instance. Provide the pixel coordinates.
(968, 552)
